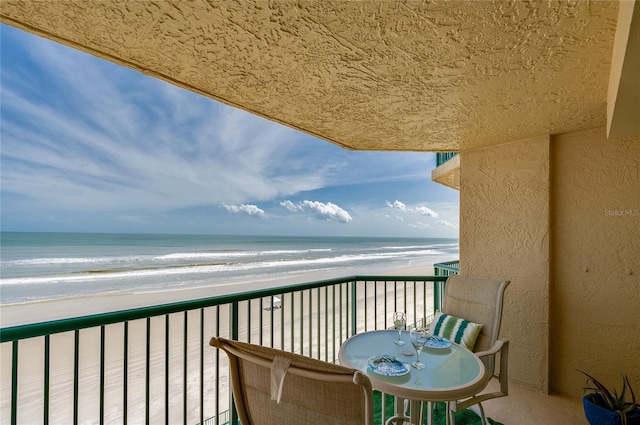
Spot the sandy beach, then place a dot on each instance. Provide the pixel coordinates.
(310, 333)
(42, 311)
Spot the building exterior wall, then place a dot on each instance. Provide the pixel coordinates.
(595, 296)
(504, 233)
(560, 217)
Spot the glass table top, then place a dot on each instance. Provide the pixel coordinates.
(451, 373)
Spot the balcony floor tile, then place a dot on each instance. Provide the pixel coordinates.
(524, 406)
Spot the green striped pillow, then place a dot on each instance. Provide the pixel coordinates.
(456, 329)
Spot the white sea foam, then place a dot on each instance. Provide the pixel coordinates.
(212, 270)
(65, 265)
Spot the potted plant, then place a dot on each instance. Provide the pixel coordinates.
(606, 407)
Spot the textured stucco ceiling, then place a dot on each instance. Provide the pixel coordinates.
(381, 75)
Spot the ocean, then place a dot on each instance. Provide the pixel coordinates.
(45, 266)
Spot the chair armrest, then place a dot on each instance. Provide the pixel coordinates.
(501, 347)
(496, 348)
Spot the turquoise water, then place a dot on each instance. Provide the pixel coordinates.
(40, 266)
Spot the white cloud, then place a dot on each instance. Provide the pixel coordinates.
(426, 211)
(328, 211)
(251, 210)
(422, 210)
(290, 206)
(397, 204)
(419, 225)
(445, 223)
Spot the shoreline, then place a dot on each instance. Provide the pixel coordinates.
(62, 308)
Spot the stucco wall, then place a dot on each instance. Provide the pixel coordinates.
(595, 296)
(560, 217)
(504, 233)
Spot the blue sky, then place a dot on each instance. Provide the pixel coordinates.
(89, 146)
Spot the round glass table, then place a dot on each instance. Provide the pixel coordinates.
(451, 373)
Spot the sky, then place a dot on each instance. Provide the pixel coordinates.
(90, 146)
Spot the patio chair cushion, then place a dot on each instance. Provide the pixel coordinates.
(456, 329)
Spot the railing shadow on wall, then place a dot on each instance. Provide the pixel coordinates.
(154, 364)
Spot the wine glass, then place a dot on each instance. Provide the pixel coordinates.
(400, 322)
(418, 338)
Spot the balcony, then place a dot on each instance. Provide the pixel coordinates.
(547, 234)
(154, 365)
(447, 171)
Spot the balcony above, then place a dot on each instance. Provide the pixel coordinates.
(447, 171)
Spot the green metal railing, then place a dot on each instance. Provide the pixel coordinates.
(445, 269)
(442, 157)
(222, 417)
(153, 364)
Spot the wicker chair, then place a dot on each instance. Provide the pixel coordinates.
(480, 301)
(275, 387)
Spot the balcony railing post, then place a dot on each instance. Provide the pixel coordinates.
(166, 366)
(47, 371)
(438, 295)
(125, 373)
(185, 349)
(202, 345)
(354, 307)
(76, 369)
(102, 372)
(233, 334)
(14, 383)
(147, 374)
(233, 320)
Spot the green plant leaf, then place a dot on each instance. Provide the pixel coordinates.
(633, 402)
(611, 399)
